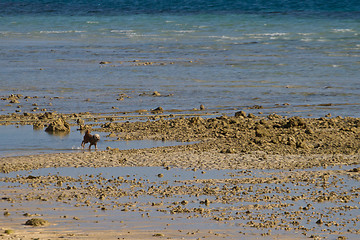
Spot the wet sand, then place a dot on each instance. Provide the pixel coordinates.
(248, 207)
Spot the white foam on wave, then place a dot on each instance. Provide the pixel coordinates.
(342, 30)
(62, 31)
(180, 31)
(276, 34)
(227, 38)
(128, 33)
(305, 34)
(307, 39)
(122, 31)
(143, 35)
(323, 40)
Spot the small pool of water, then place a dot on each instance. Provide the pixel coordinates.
(149, 173)
(24, 140)
(171, 174)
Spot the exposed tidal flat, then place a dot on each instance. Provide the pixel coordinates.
(240, 176)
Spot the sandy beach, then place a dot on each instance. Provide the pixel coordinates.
(291, 178)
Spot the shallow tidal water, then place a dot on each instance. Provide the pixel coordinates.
(288, 61)
(18, 140)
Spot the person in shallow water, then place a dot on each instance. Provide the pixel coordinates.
(92, 139)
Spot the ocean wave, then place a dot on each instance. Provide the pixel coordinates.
(227, 38)
(126, 32)
(267, 34)
(61, 31)
(340, 30)
(307, 39)
(305, 34)
(9, 33)
(179, 31)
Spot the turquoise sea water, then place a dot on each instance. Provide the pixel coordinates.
(290, 58)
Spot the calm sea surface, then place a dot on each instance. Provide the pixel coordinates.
(291, 58)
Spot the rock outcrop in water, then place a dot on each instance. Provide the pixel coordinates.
(36, 222)
(60, 125)
(157, 110)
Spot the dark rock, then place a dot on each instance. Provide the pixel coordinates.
(256, 107)
(157, 110)
(320, 221)
(240, 114)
